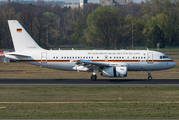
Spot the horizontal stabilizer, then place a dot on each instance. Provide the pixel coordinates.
(17, 54)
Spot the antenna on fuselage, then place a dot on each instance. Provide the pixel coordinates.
(147, 49)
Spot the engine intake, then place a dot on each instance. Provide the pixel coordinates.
(114, 72)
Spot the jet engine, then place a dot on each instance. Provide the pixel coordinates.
(114, 72)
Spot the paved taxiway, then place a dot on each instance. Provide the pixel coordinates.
(88, 82)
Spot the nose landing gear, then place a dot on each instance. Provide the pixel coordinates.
(149, 76)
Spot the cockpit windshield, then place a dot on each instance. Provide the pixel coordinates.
(163, 57)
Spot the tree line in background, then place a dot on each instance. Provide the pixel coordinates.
(146, 24)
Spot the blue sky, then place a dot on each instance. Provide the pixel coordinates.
(94, 1)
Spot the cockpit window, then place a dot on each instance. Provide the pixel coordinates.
(163, 57)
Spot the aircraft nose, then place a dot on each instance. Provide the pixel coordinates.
(174, 63)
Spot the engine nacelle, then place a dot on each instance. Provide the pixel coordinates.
(114, 72)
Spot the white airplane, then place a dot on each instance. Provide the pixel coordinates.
(111, 63)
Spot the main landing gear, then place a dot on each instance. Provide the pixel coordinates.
(93, 76)
(149, 76)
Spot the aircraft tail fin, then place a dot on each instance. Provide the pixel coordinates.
(21, 39)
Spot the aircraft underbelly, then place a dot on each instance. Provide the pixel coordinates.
(148, 66)
(62, 66)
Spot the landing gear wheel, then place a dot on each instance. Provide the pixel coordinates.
(149, 75)
(149, 78)
(93, 77)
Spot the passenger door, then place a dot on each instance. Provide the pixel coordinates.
(106, 57)
(44, 58)
(150, 58)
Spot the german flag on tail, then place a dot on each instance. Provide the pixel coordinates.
(19, 30)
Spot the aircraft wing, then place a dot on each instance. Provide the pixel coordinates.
(88, 62)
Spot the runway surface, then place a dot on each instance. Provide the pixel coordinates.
(88, 82)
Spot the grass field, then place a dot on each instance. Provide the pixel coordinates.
(89, 102)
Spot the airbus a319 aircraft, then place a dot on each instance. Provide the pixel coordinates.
(111, 63)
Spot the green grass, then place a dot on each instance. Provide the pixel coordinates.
(89, 102)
